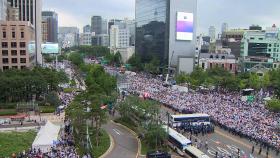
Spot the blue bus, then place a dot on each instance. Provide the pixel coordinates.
(193, 119)
(177, 141)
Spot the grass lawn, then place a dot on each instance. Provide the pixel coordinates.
(104, 144)
(15, 142)
(5, 112)
(69, 90)
(47, 109)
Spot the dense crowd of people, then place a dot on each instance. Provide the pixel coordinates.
(64, 147)
(226, 109)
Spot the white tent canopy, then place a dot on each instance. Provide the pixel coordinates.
(46, 137)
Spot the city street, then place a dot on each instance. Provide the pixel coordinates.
(223, 142)
(125, 143)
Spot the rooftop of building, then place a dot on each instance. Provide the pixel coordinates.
(217, 56)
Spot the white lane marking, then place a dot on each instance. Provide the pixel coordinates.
(117, 131)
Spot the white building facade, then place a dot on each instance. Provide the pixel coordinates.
(85, 39)
(119, 38)
(3, 9)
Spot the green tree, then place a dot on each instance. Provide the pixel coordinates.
(254, 81)
(76, 58)
(135, 62)
(52, 99)
(274, 105)
(182, 78)
(152, 66)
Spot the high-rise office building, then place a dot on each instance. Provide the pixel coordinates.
(119, 38)
(87, 29)
(117, 22)
(3, 9)
(260, 48)
(15, 37)
(100, 40)
(212, 33)
(50, 19)
(96, 25)
(167, 30)
(68, 36)
(224, 27)
(130, 25)
(104, 26)
(85, 39)
(31, 10)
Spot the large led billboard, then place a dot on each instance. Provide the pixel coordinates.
(184, 28)
(47, 48)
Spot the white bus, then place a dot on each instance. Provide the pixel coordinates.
(193, 152)
(194, 119)
(177, 141)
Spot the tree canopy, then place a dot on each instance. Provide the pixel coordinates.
(23, 85)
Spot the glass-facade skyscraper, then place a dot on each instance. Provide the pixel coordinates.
(152, 25)
(166, 30)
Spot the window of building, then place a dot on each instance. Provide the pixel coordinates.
(230, 66)
(269, 50)
(4, 44)
(4, 34)
(22, 34)
(275, 44)
(14, 67)
(217, 56)
(260, 38)
(211, 65)
(223, 65)
(5, 60)
(14, 60)
(223, 57)
(22, 67)
(22, 44)
(23, 60)
(22, 52)
(13, 44)
(252, 38)
(211, 56)
(14, 52)
(203, 65)
(269, 45)
(13, 35)
(5, 52)
(5, 67)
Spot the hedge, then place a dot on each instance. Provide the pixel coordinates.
(6, 112)
(47, 109)
(274, 105)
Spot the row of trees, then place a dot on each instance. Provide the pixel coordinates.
(220, 77)
(87, 106)
(152, 66)
(78, 55)
(144, 114)
(24, 85)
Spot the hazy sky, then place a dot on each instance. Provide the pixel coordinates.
(237, 13)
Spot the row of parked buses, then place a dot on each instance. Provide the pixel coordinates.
(182, 145)
(177, 141)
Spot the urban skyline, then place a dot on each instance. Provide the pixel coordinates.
(263, 13)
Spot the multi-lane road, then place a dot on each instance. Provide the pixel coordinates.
(224, 143)
(125, 144)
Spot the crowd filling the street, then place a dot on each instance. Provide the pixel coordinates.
(227, 110)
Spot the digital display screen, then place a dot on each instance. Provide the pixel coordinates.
(184, 28)
(48, 48)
